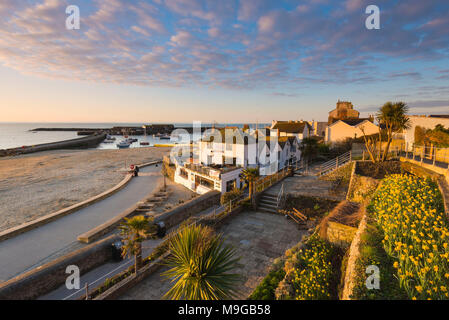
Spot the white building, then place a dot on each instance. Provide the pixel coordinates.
(342, 129)
(224, 153)
(300, 129)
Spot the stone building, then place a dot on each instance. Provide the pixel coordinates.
(344, 111)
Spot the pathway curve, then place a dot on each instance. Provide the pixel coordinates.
(33, 248)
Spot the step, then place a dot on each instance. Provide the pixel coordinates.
(269, 201)
(270, 205)
(264, 209)
(274, 196)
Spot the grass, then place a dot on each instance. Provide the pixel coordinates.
(372, 253)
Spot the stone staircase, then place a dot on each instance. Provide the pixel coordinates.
(268, 203)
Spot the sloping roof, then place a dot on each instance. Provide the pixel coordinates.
(281, 141)
(290, 126)
(354, 122)
(238, 136)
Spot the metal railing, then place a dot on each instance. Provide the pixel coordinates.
(267, 181)
(437, 157)
(280, 197)
(336, 163)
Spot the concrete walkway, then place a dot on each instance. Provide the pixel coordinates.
(258, 238)
(35, 247)
(98, 276)
(308, 184)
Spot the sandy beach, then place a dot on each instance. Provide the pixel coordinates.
(38, 184)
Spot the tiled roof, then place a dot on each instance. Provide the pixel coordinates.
(291, 127)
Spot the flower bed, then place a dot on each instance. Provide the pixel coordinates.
(409, 211)
(314, 277)
(308, 272)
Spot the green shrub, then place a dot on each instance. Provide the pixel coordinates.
(266, 289)
(230, 195)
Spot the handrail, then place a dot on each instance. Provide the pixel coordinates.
(280, 196)
(335, 163)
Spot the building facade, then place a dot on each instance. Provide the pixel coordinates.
(222, 154)
(343, 129)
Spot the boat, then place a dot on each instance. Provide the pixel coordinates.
(131, 140)
(144, 143)
(109, 137)
(123, 144)
(164, 137)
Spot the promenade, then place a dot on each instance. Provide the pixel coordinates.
(38, 246)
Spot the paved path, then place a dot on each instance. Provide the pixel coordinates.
(308, 184)
(37, 246)
(258, 237)
(97, 276)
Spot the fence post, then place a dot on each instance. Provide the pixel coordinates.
(434, 155)
(422, 154)
(350, 155)
(87, 291)
(336, 163)
(363, 155)
(406, 150)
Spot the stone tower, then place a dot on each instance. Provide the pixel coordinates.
(345, 110)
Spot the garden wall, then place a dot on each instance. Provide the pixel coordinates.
(354, 250)
(361, 187)
(339, 234)
(168, 169)
(50, 276)
(184, 211)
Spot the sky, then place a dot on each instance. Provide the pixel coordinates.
(227, 61)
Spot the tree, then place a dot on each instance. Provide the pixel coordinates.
(133, 231)
(200, 266)
(394, 117)
(250, 175)
(309, 149)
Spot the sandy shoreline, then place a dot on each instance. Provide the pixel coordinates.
(37, 184)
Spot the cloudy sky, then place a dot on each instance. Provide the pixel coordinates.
(228, 61)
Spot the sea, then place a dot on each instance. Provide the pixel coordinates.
(15, 134)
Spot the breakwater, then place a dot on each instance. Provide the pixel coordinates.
(125, 130)
(79, 143)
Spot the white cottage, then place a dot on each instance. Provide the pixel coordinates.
(224, 153)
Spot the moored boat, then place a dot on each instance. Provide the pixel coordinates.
(123, 144)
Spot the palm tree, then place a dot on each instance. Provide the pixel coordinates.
(133, 231)
(394, 117)
(250, 175)
(200, 265)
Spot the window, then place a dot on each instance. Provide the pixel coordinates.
(183, 173)
(230, 185)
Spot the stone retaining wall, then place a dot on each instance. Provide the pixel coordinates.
(182, 212)
(339, 234)
(360, 187)
(353, 256)
(50, 276)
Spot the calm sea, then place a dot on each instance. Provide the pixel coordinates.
(14, 135)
